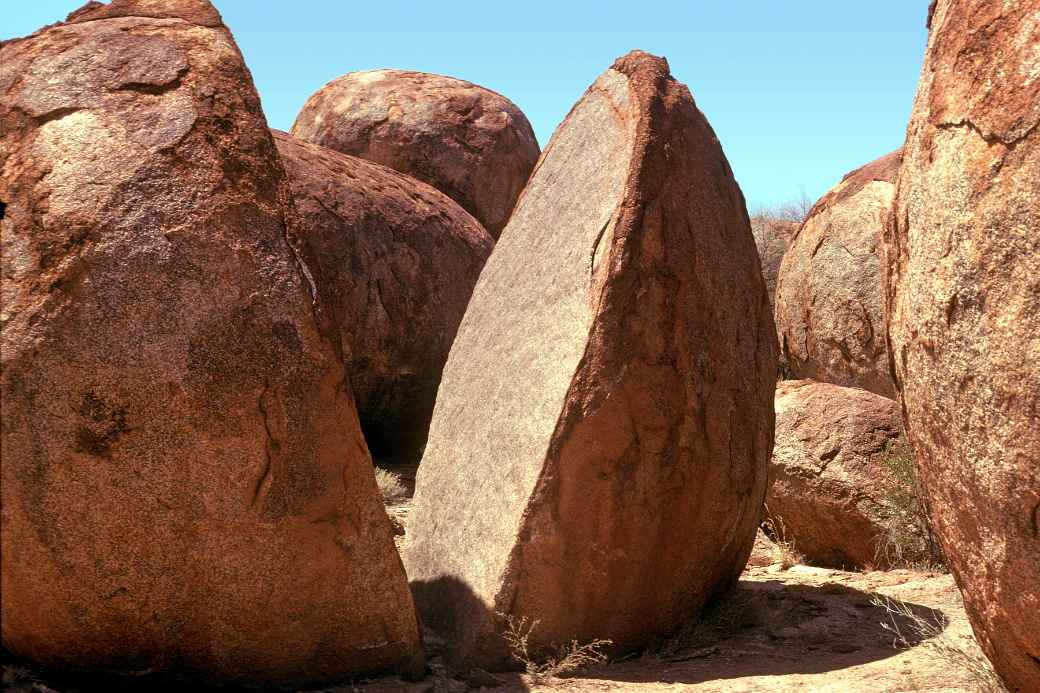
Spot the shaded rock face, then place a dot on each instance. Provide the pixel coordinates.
(772, 236)
(962, 283)
(828, 481)
(398, 261)
(597, 456)
(185, 486)
(470, 143)
(828, 293)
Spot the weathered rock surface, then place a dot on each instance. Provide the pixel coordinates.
(186, 490)
(963, 302)
(597, 456)
(829, 484)
(470, 143)
(398, 261)
(828, 294)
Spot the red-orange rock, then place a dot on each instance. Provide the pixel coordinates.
(398, 261)
(186, 491)
(828, 293)
(597, 456)
(963, 303)
(832, 491)
(470, 143)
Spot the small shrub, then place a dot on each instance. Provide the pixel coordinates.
(784, 551)
(390, 486)
(907, 540)
(559, 661)
(795, 210)
(929, 634)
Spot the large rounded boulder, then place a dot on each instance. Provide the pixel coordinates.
(397, 261)
(186, 491)
(841, 485)
(597, 457)
(470, 143)
(962, 282)
(828, 294)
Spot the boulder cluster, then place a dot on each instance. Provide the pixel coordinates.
(211, 328)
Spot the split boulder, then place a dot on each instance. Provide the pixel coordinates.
(962, 282)
(185, 486)
(470, 143)
(598, 452)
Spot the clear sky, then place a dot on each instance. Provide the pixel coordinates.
(798, 91)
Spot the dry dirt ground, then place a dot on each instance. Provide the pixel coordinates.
(799, 629)
(803, 629)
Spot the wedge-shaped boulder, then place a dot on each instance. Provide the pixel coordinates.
(962, 282)
(597, 457)
(829, 313)
(398, 261)
(186, 491)
(470, 143)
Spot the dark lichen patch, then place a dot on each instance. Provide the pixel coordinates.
(104, 425)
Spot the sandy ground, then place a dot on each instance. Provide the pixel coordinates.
(803, 629)
(799, 629)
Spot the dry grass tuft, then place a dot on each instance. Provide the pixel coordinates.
(928, 634)
(907, 540)
(559, 661)
(784, 550)
(390, 486)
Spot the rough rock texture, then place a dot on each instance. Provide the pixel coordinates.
(828, 294)
(963, 302)
(398, 262)
(597, 457)
(828, 482)
(470, 143)
(185, 486)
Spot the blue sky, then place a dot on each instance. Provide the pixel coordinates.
(798, 91)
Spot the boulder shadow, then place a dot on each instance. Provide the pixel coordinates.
(458, 638)
(773, 628)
